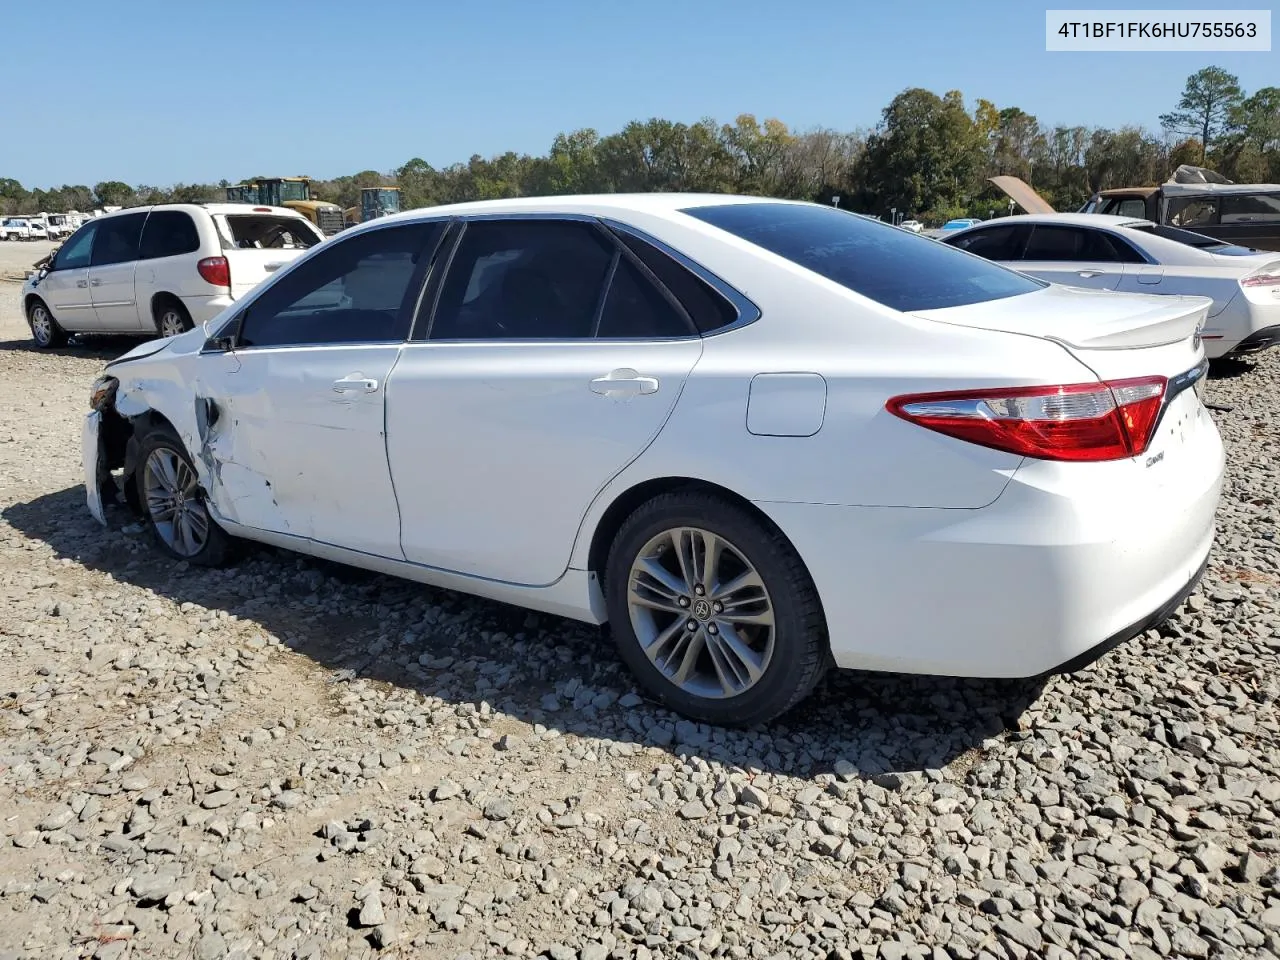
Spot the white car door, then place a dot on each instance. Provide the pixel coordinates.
(115, 257)
(294, 404)
(1073, 256)
(65, 288)
(551, 362)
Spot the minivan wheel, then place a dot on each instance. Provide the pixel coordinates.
(45, 330)
(714, 611)
(172, 318)
(174, 502)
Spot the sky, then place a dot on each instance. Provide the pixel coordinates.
(175, 91)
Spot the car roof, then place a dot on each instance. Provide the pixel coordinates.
(216, 209)
(1072, 219)
(661, 204)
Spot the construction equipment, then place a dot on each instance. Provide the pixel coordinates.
(293, 193)
(374, 202)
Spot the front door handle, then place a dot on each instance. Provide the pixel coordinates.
(624, 383)
(95, 282)
(82, 283)
(1087, 274)
(355, 384)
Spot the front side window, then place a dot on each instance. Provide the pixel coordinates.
(893, 267)
(76, 251)
(1251, 208)
(168, 233)
(118, 239)
(360, 290)
(523, 280)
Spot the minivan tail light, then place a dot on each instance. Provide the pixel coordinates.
(215, 270)
(1074, 422)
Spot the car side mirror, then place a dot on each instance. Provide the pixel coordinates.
(226, 338)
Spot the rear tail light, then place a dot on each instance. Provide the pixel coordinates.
(1076, 422)
(215, 270)
(1261, 280)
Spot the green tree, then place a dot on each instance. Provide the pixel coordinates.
(113, 193)
(924, 158)
(1258, 119)
(1208, 107)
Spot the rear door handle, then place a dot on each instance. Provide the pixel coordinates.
(355, 384)
(82, 283)
(1088, 273)
(95, 283)
(624, 383)
(273, 266)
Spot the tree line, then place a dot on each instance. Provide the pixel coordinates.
(929, 156)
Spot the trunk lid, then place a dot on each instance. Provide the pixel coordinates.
(257, 245)
(1115, 335)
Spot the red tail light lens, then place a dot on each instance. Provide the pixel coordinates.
(1075, 422)
(1261, 280)
(215, 270)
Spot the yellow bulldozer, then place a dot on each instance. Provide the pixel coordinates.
(293, 193)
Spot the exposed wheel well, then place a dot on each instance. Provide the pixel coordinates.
(162, 300)
(30, 299)
(623, 506)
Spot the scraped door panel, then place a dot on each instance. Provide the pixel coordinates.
(296, 443)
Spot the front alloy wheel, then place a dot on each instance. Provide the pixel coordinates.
(174, 503)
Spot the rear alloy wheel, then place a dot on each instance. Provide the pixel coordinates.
(45, 330)
(172, 319)
(714, 613)
(170, 493)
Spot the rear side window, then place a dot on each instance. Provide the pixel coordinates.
(266, 232)
(168, 233)
(1077, 245)
(117, 240)
(994, 243)
(523, 280)
(634, 308)
(1192, 212)
(708, 309)
(893, 267)
(1251, 208)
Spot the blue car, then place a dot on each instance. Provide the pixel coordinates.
(960, 224)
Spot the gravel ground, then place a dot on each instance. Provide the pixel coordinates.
(288, 759)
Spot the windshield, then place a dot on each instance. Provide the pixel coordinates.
(895, 268)
(292, 190)
(1193, 239)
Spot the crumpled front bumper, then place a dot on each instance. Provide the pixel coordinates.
(92, 453)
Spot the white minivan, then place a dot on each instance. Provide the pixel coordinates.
(160, 269)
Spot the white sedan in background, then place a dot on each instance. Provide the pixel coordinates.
(1120, 253)
(758, 438)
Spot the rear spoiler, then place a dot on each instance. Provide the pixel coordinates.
(1022, 194)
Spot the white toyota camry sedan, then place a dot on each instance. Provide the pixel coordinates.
(757, 438)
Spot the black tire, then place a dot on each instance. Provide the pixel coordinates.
(217, 547)
(800, 647)
(45, 330)
(171, 317)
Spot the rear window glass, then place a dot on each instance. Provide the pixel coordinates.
(1197, 240)
(708, 309)
(266, 232)
(893, 267)
(1251, 208)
